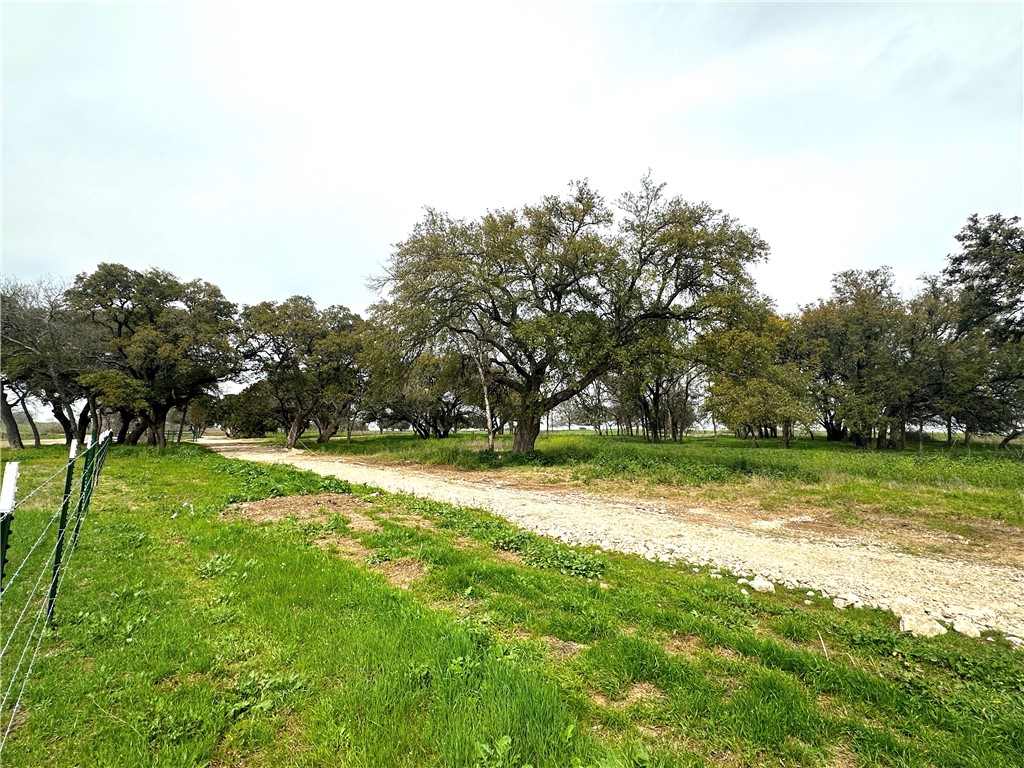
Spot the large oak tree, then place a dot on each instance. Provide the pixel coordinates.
(304, 356)
(163, 342)
(555, 292)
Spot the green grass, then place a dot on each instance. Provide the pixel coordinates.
(186, 637)
(933, 486)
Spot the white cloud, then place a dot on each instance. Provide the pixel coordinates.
(282, 148)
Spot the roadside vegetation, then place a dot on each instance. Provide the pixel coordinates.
(338, 625)
(938, 486)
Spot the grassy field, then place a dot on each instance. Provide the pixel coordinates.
(393, 631)
(943, 488)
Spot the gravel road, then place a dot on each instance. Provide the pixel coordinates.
(970, 593)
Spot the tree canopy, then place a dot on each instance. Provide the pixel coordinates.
(163, 342)
(305, 356)
(639, 314)
(554, 293)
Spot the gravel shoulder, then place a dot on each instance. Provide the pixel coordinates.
(793, 550)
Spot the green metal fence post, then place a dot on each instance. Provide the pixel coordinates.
(62, 525)
(94, 463)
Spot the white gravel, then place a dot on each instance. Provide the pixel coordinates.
(976, 594)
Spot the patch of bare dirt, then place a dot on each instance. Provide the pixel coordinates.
(508, 556)
(636, 692)
(344, 547)
(668, 736)
(408, 519)
(844, 757)
(562, 649)
(402, 572)
(358, 523)
(727, 653)
(304, 508)
(19, 719)
(684, 645)
(175, 681)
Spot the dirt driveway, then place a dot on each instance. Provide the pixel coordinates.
(976, 587)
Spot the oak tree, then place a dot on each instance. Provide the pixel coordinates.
(553, 292)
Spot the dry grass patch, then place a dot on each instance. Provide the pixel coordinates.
(562, 649)
(176, 681)
(304, 508)
(728, 653)
(638, 692)
(844, 757)
(486, 551)
(684, 645)
(408, 519)
(508, 556)
(402, 572)
(669, 737)
(344, 547)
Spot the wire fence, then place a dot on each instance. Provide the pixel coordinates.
(40, 545)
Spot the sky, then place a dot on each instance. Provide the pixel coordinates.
(283, 148)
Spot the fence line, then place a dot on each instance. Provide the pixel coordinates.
(56, 561)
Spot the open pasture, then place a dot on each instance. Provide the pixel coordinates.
(204, 627)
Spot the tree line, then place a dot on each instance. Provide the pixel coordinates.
(638, 316)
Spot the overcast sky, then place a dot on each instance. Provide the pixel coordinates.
(282, 148)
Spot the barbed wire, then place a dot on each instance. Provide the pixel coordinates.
(35, 654)
(28, 672)
(28, 602)
(45, 482)
(39, 541)
(96, 451)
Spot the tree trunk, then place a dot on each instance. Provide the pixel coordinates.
(160, 434)
(329, 430)
(83, 425)
(181, 424)
(527, 432)
(1005, 442)
(834, 434)
(122, 431)
(125, 418)
(487, 403)
(62, 419)
(883, 433)
(133, 434)
(158, 429)
(94, 411)
(295, 430)
(10, 425)
(31, 422)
